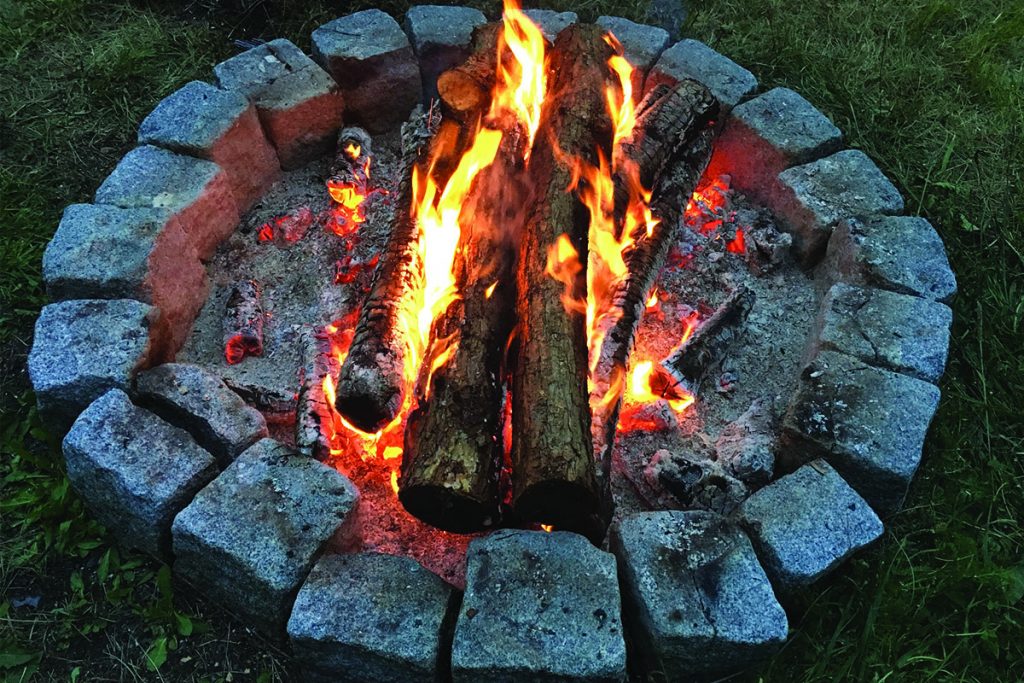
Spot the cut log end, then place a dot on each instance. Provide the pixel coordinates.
(447, 510)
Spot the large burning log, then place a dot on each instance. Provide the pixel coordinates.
(453, 447)
(370, 390)
(553, 472)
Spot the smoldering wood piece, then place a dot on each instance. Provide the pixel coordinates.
(313, 409)
(351, 165)
(554, 478)
(453, 446)
(668, 119)
(243, 322)
(711, 341)
(371, 387)
(644, 262)
(466, 89)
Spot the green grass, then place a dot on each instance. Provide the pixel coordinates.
(931, 89)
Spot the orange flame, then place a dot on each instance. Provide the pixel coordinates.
(622, 108)
(522, 81)
(564, 265)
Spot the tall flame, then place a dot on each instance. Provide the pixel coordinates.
(522, 81)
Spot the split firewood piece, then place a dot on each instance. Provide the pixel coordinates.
(453, 446)
(370, 390)
(243, 322)
(553, 471)
(466, 89)
(643, 262)
(710, 342)
(313, 409)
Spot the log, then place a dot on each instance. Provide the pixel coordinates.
(243, 322)
(371, 387)
(453, 443)
(553, 471)
(710, 342)
(465, 90)
(313, 410)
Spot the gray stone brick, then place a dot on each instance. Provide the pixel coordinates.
(371, 59)
(697, 601)
(870, 424)
(198, 193)
(667, 14)
(440, 36)
(82, 349)
(199, 402)
(249, 538)
(203, 121)
(538, 607)
(900, 253)
(810, 199)
(550, 22)
(805, 524)
(689, 58)
(369, 617)
(106, 252)
(897, 332)
(299, 104)
(641, 43)
(768, 134)
(134, 471)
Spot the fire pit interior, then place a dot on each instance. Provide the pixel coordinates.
(507, 318)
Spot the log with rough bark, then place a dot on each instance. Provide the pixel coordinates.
(453, 446)
(243, 322)
(466, 89)
(371, 387)
(553, 471)
(710, 342)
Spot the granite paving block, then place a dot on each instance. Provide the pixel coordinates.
(84, 348)
(697, 602)
(806, 523)
(200, 402)
(196, 191)
(550, 22)
(249, 538)
(106, 252)
(900, 253)
(812, 198)
(440, 36)
(370, 617)
(870, 424)
(372, 60)
(134, 471)
(300, 105)
(689, 58)
(220, 125)
(898, 332)
(538, 607)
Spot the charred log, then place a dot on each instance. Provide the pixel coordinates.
(554, 479)
(313, 409)
(453, 446)
(243, 322)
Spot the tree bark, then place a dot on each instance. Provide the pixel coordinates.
(553, 471)
(453, 445)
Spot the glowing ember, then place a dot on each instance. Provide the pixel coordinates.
(737, 245)
(490, 290)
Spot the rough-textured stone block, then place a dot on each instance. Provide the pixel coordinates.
(641, 43)
(369, 617)
(550, 22)
(727, 80)
(106, 252)
(806, 523)
(900, 253)
(538, 607)
(299, 104)
(220, 125)
(249, 538)
(134, 471)
(198, 193)
(668, 15)
(202, 404)
(897, 332)
(870, 425)
(82, 349)
(810, 199)
(441, 36)
(697, 601)
(768, 134)
(371, 59)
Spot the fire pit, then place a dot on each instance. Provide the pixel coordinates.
(481, 349)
